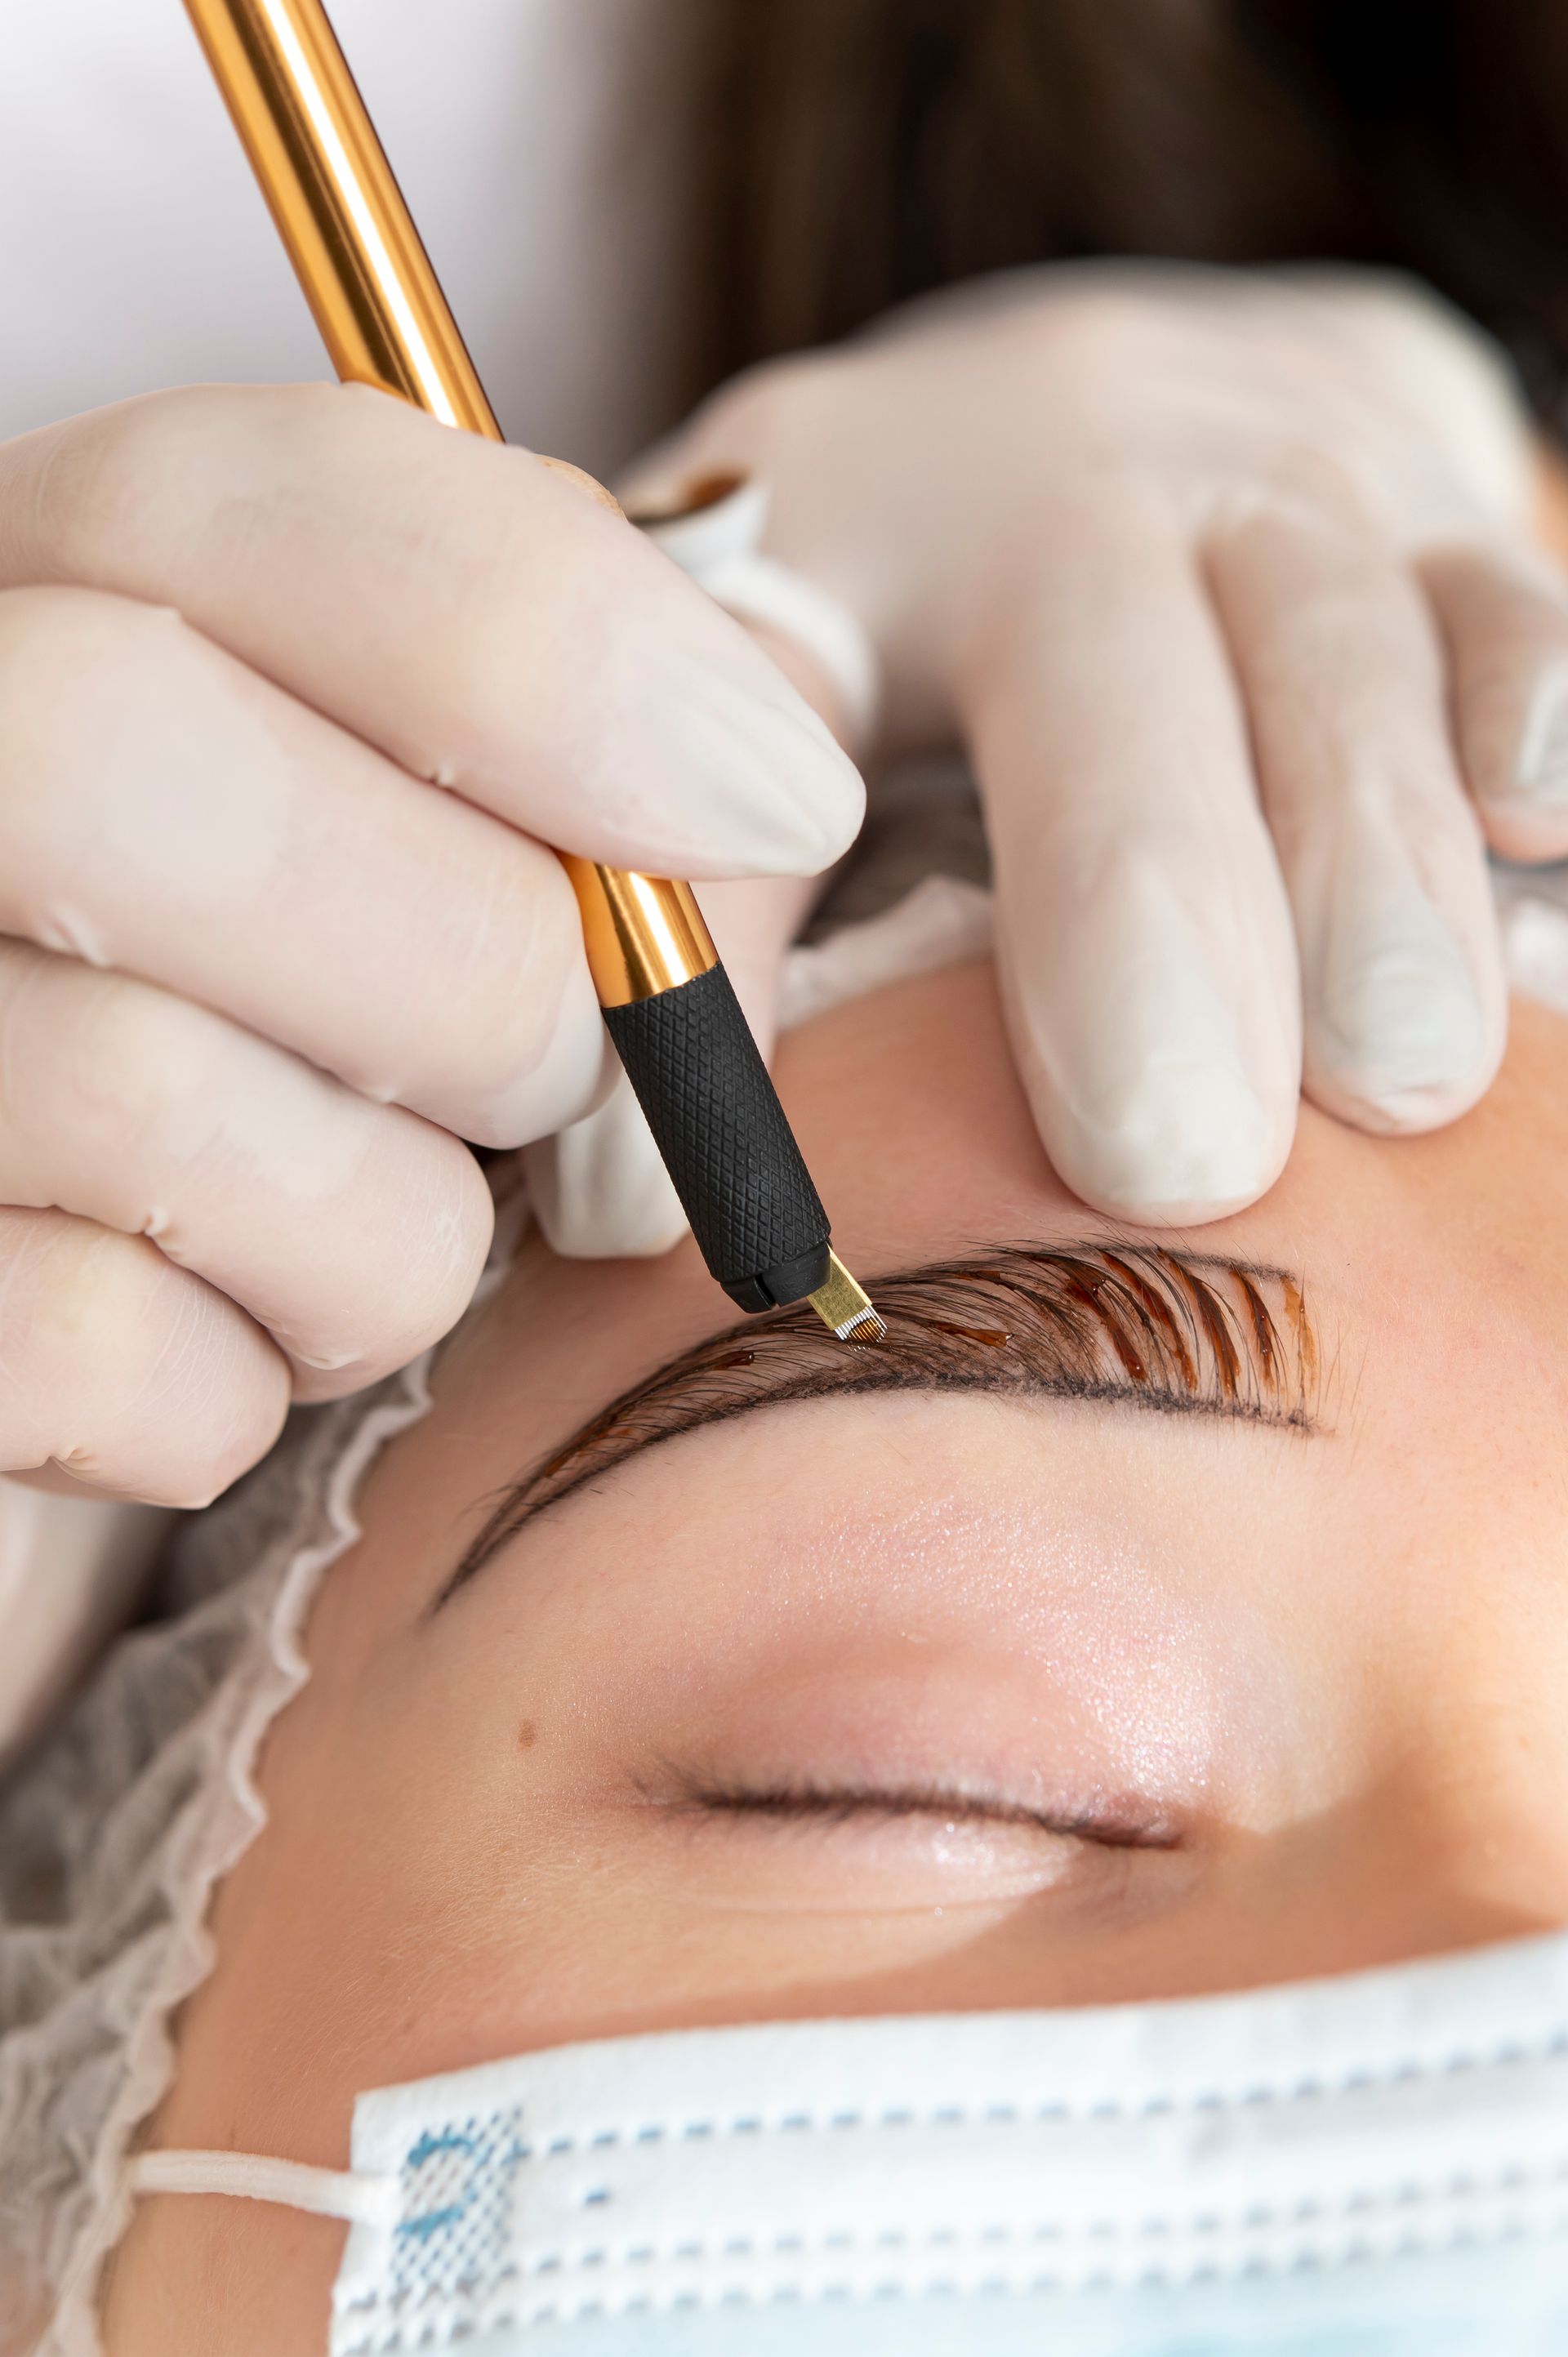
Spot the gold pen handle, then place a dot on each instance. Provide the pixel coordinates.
(668, 1002)
(385, 322)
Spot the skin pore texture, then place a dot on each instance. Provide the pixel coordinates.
(915, 1698)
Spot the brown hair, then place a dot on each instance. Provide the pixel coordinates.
(864, 151)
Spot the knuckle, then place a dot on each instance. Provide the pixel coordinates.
(456, 1217)
(1095, 344)
(46, 636)
(134, 1375)
(101, 489)
(433, 1239)
(68, 657)
(31, 634)
(82, 1299)
(226, 1388)
(771, 392)
(31, 699)
(131, 1055)
(125, 487)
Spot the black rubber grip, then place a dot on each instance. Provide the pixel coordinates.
(718, 1124)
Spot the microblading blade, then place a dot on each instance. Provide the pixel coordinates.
(845, 1305)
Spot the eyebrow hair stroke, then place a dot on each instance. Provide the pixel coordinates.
(1179, 1334)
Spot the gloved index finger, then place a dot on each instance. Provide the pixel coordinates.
(454, 603)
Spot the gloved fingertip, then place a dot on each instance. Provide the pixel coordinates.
(1515, 751)
(1398, 1039)
(1181, 1143)
(1523, 829)
(548, 1090)
(599, 1189)
(1540, 760)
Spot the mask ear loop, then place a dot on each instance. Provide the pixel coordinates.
(327, 2193)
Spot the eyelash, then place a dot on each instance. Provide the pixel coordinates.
(841, 1805)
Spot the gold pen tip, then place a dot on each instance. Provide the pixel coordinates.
(845, 1305)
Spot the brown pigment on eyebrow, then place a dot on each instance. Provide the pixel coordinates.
(1263, 1330)
(1084, 1282)
(992, 1338)
(1221, 1341)
(1120, 1343)
(1093, 1284)
(558, 1462)
(734, 1359)
(1114, 1313)
(581, 1442)
(1144, 1335)
(1305, 1340)
(1159, 1315)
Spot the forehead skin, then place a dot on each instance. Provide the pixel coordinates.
(1408, 1583)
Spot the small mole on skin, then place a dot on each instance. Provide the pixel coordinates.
(527, 1736)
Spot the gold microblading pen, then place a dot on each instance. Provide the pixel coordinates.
(666, 998)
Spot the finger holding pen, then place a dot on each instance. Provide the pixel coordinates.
(273, 968)
(669, 1006)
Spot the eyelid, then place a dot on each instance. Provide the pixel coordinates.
(805, 1802)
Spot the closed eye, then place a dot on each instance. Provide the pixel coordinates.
(807, 1803)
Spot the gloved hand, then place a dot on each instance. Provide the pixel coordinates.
(1229, 584)
(258, 973)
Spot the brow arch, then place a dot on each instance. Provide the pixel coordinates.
(1149, 1325)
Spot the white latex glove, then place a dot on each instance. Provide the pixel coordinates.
(258, 975)
(1227, 582)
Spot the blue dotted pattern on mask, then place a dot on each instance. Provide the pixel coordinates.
(455, 2214)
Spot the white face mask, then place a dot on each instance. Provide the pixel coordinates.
(1351, 2169)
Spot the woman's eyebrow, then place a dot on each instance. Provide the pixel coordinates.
(1139, 1325)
